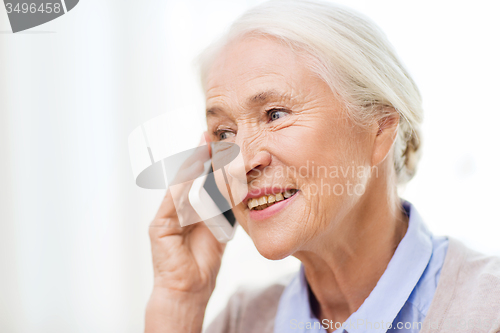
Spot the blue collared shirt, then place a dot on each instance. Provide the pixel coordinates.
(398, 303)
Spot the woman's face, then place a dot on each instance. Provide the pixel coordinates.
(293, 134)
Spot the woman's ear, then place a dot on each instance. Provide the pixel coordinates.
(385, 133)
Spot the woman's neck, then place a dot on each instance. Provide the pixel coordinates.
(342, 273)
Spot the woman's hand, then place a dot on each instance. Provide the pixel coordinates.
(186, 262)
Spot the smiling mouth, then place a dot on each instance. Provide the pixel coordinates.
(268, 200)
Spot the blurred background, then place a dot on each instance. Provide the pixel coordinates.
(74, 247)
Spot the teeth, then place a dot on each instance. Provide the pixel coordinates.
(266, 201)
(252, 203)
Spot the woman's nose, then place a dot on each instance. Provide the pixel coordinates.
(249, 165)
(257, 163)
(246, 166)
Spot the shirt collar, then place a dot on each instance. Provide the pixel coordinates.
(386, 299)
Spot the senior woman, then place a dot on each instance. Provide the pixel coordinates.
(300, 84)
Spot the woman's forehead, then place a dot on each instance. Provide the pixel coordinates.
(259, 63)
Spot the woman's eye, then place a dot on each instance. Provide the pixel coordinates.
(224, 135)
(276, 114)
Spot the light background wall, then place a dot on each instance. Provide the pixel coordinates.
(74, 242)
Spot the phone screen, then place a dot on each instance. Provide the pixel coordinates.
(212, 190)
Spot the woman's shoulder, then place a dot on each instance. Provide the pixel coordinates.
(250, 309)
(468, 291)
(468, 266)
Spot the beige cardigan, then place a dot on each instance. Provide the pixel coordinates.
(468, 290)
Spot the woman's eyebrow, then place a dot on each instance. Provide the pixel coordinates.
(212, 112)
(254, 100)
(264, 97)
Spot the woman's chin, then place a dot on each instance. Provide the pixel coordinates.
(274, 248)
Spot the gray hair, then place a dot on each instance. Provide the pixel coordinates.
(351, 54)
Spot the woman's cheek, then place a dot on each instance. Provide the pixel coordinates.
(240, 217)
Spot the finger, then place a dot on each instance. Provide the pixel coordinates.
(191, 169)
(164, 227)
(201, 153)
(167, 208)
(208, 141)
(188, 172)
(180, 196)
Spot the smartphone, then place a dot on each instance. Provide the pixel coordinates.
(211, 206)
